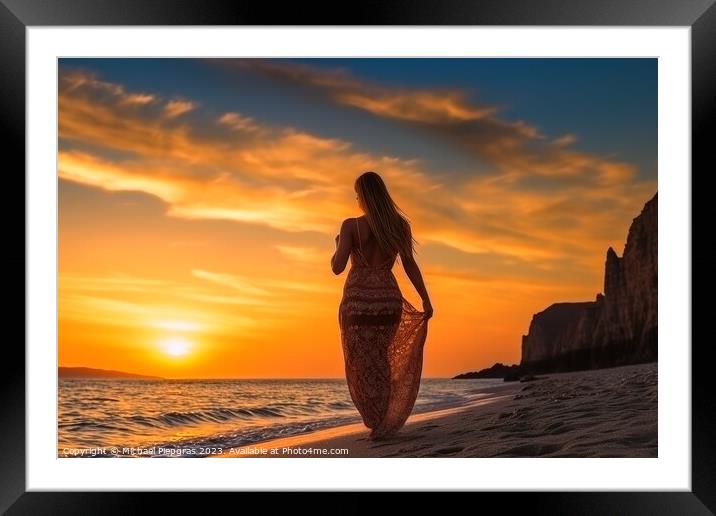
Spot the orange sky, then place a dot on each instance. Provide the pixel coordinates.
(197, 243)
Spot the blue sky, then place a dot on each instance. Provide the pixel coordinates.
(609, 103)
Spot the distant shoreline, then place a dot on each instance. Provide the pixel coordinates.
(110, 374)
(64, 374)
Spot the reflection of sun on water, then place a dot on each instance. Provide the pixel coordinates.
(175, 346)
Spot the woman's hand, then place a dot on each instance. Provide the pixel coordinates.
(428, 309)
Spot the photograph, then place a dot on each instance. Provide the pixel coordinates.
(429, 241)
(357, 257)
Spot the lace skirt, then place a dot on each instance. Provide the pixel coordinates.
(382, 337)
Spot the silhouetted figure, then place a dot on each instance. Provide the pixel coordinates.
(382, 334)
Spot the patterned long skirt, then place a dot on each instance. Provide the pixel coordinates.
(383, 337)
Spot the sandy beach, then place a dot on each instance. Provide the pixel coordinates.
(599, 413)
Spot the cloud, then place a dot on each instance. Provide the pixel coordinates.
(239, 122)
(419, 106)
(540, 202)
(106, 310)
(86, 81)
(138, 99)
(310, 255)
(244, 285)
(177, 107)
(448, 114)
(266, 287)
(565, 139)
(137, 302)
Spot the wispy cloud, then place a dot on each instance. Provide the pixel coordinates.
(565, 139)
(418, 106)
(239, 122)
(244, 285)
(268, 287)
(139, 302)
(138, 99)
(480, 129)
(110, 311)
(177, 107)
(525, 207)
(309, 255)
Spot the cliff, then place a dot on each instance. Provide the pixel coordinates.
(619, 327)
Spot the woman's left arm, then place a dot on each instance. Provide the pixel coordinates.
(344, 244)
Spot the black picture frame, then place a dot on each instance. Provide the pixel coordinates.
(17, 15)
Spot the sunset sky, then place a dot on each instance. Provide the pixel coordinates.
(199, 200)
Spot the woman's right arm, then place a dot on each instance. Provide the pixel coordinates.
(413, 272)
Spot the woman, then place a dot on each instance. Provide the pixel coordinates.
(382, 334)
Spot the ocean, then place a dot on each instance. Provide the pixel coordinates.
(145, 418)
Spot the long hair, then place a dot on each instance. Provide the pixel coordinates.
(389, 224)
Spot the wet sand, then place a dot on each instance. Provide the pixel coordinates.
(599, 413)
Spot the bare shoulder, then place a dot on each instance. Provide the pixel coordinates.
(348, 225)
(354, 222)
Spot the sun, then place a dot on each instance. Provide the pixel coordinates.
(175, 346)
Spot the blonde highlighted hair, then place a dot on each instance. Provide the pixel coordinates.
(389, 224)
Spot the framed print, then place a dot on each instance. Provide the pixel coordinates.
(416, 253)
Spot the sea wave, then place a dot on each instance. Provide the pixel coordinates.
(219, 414)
